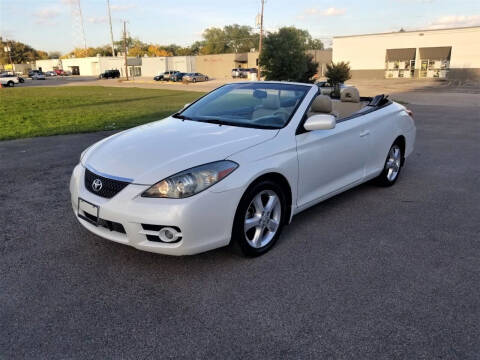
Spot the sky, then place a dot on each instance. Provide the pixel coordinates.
(48, 24)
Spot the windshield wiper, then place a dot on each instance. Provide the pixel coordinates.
(180, 116)
(215, 121)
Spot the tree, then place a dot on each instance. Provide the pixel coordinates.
(41, 55)
(283, 56)
(137, 51)
(215, 42)
(232, 38)
(156, 50)
(19, 52)
(54, 54)
(240, 38)
(315, 44)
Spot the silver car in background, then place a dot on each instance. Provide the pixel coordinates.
(194, 77)
(326, 88)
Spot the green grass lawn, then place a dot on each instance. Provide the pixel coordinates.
(42, 111)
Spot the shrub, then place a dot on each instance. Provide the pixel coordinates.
(336, 74)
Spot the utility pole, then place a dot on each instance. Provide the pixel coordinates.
(111, 31)
(8, 49)
(125, 46)
(261, 31)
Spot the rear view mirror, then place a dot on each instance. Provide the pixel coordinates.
(259, 94)
(320, 122)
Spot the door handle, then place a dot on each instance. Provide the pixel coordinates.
(364, 133)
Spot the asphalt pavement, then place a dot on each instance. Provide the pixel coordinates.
(373, 273)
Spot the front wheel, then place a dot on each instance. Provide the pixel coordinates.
(194, 80)
(392, 167)
(10, 84)
(259, 218)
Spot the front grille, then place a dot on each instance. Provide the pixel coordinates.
(109, 187)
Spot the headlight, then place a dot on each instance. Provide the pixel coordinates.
(191, 181)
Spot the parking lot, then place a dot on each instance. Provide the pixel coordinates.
(371, 273)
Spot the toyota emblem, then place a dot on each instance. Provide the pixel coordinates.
(97, 185)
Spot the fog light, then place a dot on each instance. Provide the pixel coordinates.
(169, 234)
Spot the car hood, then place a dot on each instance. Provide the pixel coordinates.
(149, 153)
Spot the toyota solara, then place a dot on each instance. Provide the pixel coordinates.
(236, 165)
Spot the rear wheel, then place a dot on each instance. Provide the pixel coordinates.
(259, 218)
(392, 167)
(10, 84)
(194, 80)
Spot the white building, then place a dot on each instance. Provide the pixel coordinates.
(152, 66)
(95, 65)
(445, 53)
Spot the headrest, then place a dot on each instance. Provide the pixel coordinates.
(322, 104)
(271, 102)
(350, 94)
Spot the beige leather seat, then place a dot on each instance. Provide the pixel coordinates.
(269, 105)
(322, 104)
(349, 102)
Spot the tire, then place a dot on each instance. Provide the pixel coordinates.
(10, 84)
(206, 78)
(194, 80)
(21, 81)
(392, 167)
(262, 211)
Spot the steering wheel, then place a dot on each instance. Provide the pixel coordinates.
(281, 115)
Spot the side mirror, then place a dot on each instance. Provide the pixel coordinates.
(188, 104)
(320, 122)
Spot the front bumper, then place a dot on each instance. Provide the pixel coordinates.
(205, 219)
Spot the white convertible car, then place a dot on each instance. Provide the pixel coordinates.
(236, 165)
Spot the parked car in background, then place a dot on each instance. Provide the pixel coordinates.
(177, 76)
(240, 73)
(326, 88)
(38, 76)
(235, 73)
(110, 74)
(8, 80)
(19, 78)
(33, 72)
(166, 76)
(60, 72)
(194, 77)
(50, 73)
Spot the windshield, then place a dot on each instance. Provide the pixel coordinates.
(261, 105)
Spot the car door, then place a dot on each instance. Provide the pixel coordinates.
(331, 160)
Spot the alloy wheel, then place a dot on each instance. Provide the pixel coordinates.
(392, 166)
(262, 219)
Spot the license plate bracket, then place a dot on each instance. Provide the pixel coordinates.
(89, 208)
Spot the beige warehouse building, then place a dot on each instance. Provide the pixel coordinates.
(443, 54)
(219, 66)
